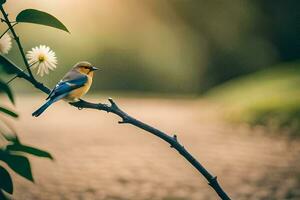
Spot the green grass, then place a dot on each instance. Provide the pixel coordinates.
(270, 97)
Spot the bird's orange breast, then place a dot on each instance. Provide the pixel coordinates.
(79, 92)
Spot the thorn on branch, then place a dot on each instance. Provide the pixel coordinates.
(213, 181)
(113, 104)
(175, 137)
(124, 120)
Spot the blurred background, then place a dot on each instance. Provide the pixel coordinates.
(223, 74)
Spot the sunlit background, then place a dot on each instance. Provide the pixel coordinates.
(224, 74)
(170, 46)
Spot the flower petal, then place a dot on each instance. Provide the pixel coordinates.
(44, 65)
(5, 43)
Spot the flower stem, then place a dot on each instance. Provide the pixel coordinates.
(17, 39)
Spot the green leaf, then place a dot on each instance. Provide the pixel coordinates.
(8, 112)
(5, 88)
(19, 164)
(40, 17)
(5, 181)
(7, 66)
(28, 149)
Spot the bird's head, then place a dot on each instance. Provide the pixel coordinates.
(85, 68)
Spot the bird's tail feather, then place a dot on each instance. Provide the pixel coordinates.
(39, 111)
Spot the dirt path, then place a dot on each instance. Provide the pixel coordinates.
(98, 159)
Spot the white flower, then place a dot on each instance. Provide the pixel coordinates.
(43, 58)
(5, 44)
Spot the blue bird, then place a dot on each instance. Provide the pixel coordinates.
(72, 87)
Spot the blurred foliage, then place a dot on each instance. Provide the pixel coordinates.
(166, 46)
(12, 151)
(270, 98)
(4, 88)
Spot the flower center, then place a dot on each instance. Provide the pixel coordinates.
(42, 58)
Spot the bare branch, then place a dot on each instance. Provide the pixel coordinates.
(125, 118)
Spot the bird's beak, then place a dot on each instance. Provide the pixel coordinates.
(94, 68)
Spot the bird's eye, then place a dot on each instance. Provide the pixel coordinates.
(86, 67)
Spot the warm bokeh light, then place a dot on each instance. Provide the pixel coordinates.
(184, 45)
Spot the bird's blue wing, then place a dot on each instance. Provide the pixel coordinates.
(64, 87)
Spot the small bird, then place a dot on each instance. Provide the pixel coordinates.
(74, 85)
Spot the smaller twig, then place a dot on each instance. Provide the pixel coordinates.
(18, 75)
(3, 20)
(7, 30)
(13, 78)
(113, 104)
